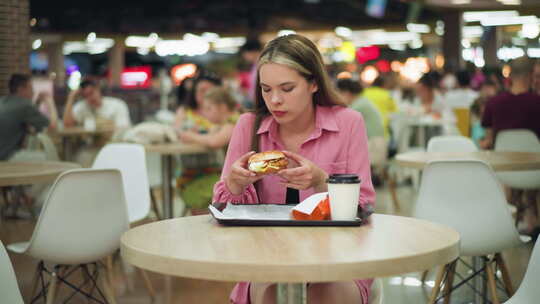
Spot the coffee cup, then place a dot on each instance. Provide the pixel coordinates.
(343, 191)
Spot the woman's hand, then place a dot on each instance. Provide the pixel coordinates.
(240, 177)
(304, 176)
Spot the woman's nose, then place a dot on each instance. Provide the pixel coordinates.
(275, 97)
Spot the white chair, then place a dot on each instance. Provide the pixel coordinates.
(377, 291)
(528, 291)
(81, 223)
(8, 282)
(130, 159)
(520, 140)
(451, 143)
(466, 195)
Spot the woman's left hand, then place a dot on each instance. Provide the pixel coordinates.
(306, 175)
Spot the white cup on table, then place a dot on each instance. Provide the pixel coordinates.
(343, 191)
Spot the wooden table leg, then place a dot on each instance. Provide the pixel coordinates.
(168, 198)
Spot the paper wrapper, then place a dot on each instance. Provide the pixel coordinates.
(314, 208)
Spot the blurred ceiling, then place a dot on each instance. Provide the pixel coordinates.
(224, 16)
(486, 4)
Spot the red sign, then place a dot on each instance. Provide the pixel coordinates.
(136, 77)
(367, 53)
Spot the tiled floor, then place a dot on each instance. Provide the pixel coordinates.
(402, 289)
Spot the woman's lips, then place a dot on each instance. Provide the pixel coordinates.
(279, 113)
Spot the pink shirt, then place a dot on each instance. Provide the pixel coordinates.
(338, 144)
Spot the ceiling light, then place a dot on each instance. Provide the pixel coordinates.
(343, 31)
(418, 28)
(481, 15)
(509, 20)
(36, 44)
(91, 37)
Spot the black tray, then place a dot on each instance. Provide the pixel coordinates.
(362, 218)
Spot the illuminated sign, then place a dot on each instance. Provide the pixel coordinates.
(136, 77)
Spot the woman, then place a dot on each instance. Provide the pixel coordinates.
(221, 109)
(191, 116)
(296, 110)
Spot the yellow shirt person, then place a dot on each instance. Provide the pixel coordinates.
(383, 102)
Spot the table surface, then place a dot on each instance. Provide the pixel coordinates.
(498, 160)
(198, 247)
(26, 173)
(176, 148)
(79, 130)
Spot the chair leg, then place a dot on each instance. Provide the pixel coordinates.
(35, 281)
(52, 289)
(437, 286)
(393, 191)
(110, 273)
(107, 284)
(505, 274)
(491, 283)
(449, 282)
(424, 276)
(154, 204)
(148, 284)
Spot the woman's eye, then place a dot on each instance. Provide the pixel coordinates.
(288, 89)
(266, 90)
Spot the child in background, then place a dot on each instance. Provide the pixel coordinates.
(220, 108)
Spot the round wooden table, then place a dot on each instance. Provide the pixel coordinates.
(198, 247)
(27, 173)
(498, 160)
(167, 152)
(68, 133)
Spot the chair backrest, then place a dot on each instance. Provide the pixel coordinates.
(8, 282)
(528, 291)
(520, 140)
(48, 146)
(465, 195)
(130, 159)
(451, 143)
(82, 219)
(377, 292)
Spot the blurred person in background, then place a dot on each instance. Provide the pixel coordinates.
(46, 105)
(250, 52)
(536, 77)
(488, 90)
(462, 96)
(517, 108)
(351, 91)
(103, 110)
(195, 187)
(193, 119)
(189, 115)
(428, 95)
(383, 102)
(18, 116)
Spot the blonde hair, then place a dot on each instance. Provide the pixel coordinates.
(219, 95)
(300, 54)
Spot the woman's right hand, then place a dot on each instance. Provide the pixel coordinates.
(240, 177)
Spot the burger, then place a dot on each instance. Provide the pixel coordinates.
(267, 162)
